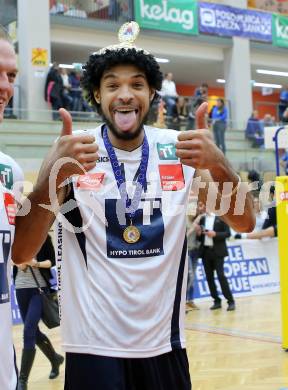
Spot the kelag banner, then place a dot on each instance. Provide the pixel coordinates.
(252, 268)
(178, 16)
(224, 20)
(280, 30)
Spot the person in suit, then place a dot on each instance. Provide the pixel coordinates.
(213, 250)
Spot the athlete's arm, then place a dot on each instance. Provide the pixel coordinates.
(31, 229)
(197, 149)
(236, 210)
(269, 232)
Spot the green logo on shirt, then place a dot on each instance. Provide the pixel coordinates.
(6, 176)
(166, 151)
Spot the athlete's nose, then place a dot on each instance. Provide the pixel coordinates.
(4, 83)
(125, 94)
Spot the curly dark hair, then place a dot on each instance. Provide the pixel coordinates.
(98, 63)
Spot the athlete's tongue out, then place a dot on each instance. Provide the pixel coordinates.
(125, 120)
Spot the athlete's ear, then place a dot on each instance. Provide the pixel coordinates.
(152, 94)
(97, 97)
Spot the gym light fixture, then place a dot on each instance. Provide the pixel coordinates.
(256, 84)
(272, 72)
(66, 66)
(265, 85)
(162, 60)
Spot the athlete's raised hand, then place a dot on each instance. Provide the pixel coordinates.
(74, 153)
(196, 148)
(81, 148)
(201, 116)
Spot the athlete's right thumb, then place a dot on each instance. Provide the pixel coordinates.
(67, 122)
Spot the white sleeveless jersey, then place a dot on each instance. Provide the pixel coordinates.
(117, 298)
(8, 377)
(10, 172)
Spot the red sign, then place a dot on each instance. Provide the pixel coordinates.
(90, 181)
(10, 207)
(172, 178)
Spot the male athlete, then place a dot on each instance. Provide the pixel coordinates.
(121, 247)
(10, 173)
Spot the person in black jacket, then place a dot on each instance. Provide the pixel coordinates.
(54, 90)
(30, 305)
(213, 250)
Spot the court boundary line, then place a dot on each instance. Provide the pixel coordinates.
(266, 338)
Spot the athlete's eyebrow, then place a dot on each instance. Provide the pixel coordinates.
(114, 76)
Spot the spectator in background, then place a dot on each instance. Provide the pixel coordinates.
(201, 92)
(57, 7)
(269, 227)
(191, 125)
(283, 103)
(66, 98)
(268, 121)
(254, 177)
(283, 158)
(254, 130)
(219, 117)
(213, 250)
(113, 9)
(180, 112)
(169, 93)
(284, 119)
(54, 90)
(75, 90)
(193, 227)
(259, 213)
(200, 96)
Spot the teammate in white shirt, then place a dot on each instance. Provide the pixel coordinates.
(10, 173)
(121, 251)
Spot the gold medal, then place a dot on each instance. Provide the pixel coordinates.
(131, 234)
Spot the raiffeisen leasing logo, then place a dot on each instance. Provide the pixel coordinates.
(162, 12)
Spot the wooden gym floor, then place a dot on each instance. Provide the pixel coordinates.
(238, 350)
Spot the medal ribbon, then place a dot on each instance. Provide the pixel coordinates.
(131, 205)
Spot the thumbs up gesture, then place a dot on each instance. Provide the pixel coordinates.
(196, 148)
(80, 147)
(80, 152)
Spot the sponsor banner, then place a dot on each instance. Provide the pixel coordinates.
(90, 181)
(6, 176)
(280, 30)
(229, 21)
(172, 177)
(252, 268)
(179, 16)
(167, 151)
(150, 227)
(10, 207)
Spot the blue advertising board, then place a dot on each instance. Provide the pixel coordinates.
(223, 20)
